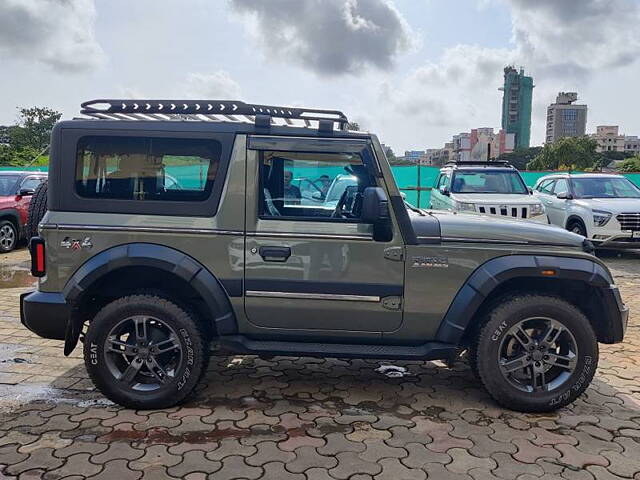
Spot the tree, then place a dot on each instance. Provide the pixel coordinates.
(630, 165)
(569, 153)
(520, 157)
(391, 157)
(34, 128)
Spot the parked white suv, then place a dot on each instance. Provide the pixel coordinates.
(488, 188)
(605, 208)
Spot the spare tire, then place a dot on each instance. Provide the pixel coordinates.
(37, 209)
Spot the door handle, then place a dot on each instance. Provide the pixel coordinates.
(275, 254)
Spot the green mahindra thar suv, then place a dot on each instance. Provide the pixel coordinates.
(179, 228)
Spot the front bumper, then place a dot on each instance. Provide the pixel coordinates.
(617, 241)
(616, 315)
(45, 314)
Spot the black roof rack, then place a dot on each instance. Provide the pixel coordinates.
(472, 163)
(206, 110)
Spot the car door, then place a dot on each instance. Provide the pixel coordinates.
(557, 207)
(545, 192)
(311, 269)
(438, 200)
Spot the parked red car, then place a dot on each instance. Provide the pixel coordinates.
(16, 189)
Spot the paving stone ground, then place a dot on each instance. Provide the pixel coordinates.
(302, 418)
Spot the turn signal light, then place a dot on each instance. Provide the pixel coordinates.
(38, 266)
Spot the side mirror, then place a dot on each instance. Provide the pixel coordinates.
(375, 205)
(444, 191)
(530, 190)
(564, 196)
(25, 192)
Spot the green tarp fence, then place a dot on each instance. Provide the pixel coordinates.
(412, 180)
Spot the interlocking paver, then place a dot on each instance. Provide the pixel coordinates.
(350, 464)
(392, 468)
(194, 461)
(234, 467)
(77, 464)
(316, 419)
(308, 457)
(530, 453)
(574, 457)
(117, 469)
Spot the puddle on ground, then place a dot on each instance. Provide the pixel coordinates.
(16, 276)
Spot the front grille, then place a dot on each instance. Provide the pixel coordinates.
(504, 211)
(629, 221)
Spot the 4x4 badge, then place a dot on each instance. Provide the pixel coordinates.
(75, 244)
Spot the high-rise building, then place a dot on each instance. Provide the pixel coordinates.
(516, 105)
(564, 118)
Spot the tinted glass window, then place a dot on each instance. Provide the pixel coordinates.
(546, 186)
(561, 186)
(478, 181)
(142, 169)
(613, 187)
(8, 184)
(312, 185)
(31, 183)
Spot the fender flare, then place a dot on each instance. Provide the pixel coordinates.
(164, 258)
(486, 278)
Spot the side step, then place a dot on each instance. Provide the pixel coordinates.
(426, 351)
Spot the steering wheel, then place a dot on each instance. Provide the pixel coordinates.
(337, 213)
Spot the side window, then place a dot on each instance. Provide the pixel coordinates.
(443, 181)
(312, 186)
(546, 186)
(31, 183)
(561, 186)
(141, 169)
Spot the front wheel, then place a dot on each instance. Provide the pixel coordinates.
(535, 353)
(144, 352)
(8, 236)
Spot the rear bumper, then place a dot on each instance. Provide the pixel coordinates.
(617, 314)
(45, 314)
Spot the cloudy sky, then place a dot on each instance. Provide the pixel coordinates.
(414, 71)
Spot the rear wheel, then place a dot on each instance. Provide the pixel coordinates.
(8, 236)
(144, 351)
(535, 353)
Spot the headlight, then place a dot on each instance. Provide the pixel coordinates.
(536, 209)
(465, 207)
(600, 218)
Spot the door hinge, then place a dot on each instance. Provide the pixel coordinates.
(392, 303)
(394, 253)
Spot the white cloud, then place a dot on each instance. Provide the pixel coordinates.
(215, 86)
(564, 44)
(327, 36)
(58, 33)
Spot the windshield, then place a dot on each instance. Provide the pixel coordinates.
(8, 184)
(338, 187)
(611, 187)
(480, 181)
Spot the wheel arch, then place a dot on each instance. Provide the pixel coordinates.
(149, 261)
(13, 216)
(580, 281)
(575, 218)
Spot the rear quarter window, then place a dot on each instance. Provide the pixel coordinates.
(146, 169)
(178, 172)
